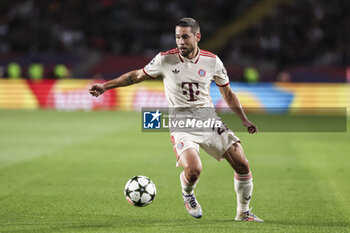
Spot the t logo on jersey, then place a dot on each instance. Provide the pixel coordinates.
(151, 120)
(190, 91)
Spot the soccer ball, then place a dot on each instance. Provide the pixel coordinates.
(140, 191)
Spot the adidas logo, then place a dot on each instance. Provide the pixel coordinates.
(175, 71)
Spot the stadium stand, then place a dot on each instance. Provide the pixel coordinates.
(293, 36)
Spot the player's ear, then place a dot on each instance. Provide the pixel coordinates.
(198, 36)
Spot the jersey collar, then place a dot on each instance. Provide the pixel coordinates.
(193, 60)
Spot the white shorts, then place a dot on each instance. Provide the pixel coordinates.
(214, 143)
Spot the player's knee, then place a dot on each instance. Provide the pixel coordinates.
(193, 173)
(239, 161)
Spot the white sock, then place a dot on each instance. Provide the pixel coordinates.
(244, 190)
(187, 187)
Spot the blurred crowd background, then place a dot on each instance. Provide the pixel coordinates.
(258, 40)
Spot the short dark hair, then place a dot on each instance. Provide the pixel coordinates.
(188, 22)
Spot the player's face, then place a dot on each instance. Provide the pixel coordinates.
(186, 41)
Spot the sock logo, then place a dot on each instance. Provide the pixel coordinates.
(248, 198)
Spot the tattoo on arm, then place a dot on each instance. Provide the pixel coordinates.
(130, 81)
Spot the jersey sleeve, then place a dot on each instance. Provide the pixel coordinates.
(220, 74)
(154, 68)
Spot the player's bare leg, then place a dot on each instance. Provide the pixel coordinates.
(192, 165)
(243, 182)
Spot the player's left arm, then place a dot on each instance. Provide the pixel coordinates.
(233, 102)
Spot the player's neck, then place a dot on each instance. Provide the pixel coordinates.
(193, 54)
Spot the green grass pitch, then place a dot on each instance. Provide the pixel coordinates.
(66, 171)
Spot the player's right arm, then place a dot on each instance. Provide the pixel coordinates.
(127, 79)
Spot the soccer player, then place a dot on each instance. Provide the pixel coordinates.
(187, 72)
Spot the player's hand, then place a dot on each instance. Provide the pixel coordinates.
(97, 89)
(250, 127)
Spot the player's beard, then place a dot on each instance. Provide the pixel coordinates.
(186, 52)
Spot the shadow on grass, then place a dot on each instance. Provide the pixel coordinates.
(321, 223)
(129, 223)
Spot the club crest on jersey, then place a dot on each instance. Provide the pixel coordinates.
(202, 72)
(180, 145)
